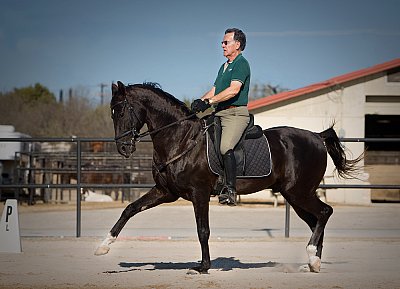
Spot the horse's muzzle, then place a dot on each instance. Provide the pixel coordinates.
(126, 149)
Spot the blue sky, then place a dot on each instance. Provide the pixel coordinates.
(82, 43)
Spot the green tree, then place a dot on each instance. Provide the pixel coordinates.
(36, 94)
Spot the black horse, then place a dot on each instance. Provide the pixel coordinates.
(180, 167)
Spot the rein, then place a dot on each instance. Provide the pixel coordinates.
(146, 133)
(136, 137)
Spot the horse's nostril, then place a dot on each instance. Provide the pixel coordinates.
(123, 149)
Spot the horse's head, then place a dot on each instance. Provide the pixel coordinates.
(126, 118)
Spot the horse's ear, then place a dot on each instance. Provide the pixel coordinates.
(121, 87)
(114, 88)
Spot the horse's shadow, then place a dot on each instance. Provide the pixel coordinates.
(221, 264)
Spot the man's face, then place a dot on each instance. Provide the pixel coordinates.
(229, 45)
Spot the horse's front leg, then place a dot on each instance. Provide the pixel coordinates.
(151, 199)
(201, 210)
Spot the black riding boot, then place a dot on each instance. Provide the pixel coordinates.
(228, 194)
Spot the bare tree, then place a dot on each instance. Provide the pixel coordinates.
(33, 110)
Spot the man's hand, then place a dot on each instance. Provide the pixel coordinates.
(199, 106)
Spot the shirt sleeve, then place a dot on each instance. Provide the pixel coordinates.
(241, 72)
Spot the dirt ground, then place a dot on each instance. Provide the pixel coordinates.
(361, 250)
(70, 263)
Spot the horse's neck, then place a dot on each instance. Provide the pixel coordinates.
(174, 142)
(162, 112)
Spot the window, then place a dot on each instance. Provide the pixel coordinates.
(382, 126)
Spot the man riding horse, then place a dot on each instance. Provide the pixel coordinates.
(230, 96)
(180, 165)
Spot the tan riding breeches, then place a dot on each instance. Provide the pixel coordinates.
(233, 122)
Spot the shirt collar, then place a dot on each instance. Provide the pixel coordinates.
(239, 55)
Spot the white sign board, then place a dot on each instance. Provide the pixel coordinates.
(10, 241)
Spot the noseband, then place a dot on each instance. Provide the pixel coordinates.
(136, 136)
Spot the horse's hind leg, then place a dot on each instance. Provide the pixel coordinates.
(316, 214)
(151, 199)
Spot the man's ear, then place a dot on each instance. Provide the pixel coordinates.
(237, 43)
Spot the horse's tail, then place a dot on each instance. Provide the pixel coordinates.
(346, 168)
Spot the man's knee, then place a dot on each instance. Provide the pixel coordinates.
(224, 150)
(226, 146)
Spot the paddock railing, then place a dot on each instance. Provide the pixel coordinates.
(79, 185)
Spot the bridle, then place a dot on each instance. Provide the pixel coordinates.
(136, 136)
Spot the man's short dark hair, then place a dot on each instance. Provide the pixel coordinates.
(238, 36)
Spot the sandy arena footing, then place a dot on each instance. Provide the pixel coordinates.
(361, 250)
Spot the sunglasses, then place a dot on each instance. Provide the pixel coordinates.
(227, 42)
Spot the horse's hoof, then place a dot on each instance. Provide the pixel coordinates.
(102, 250)
(197, 270)
(315, 264)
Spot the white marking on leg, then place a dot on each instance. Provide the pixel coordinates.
(314, 262)
(105, 245)
(311, 250)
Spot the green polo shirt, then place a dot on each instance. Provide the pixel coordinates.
(238, 69)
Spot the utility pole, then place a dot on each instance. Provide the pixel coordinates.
(61, 96)
(102, 86)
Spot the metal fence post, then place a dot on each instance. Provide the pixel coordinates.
(78, 188)
(287, 219)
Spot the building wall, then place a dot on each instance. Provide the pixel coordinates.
(346, 106)
(8, 151)
(380, 87)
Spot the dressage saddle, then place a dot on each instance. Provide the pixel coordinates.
(252, 131)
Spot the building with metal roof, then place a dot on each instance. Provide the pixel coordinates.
(363, 103)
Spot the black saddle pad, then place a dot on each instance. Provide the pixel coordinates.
(257, 158)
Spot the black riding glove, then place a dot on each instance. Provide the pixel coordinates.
(199, 106)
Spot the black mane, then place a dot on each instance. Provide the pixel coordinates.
(156, 87)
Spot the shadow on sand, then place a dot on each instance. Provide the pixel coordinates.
(220, 264)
